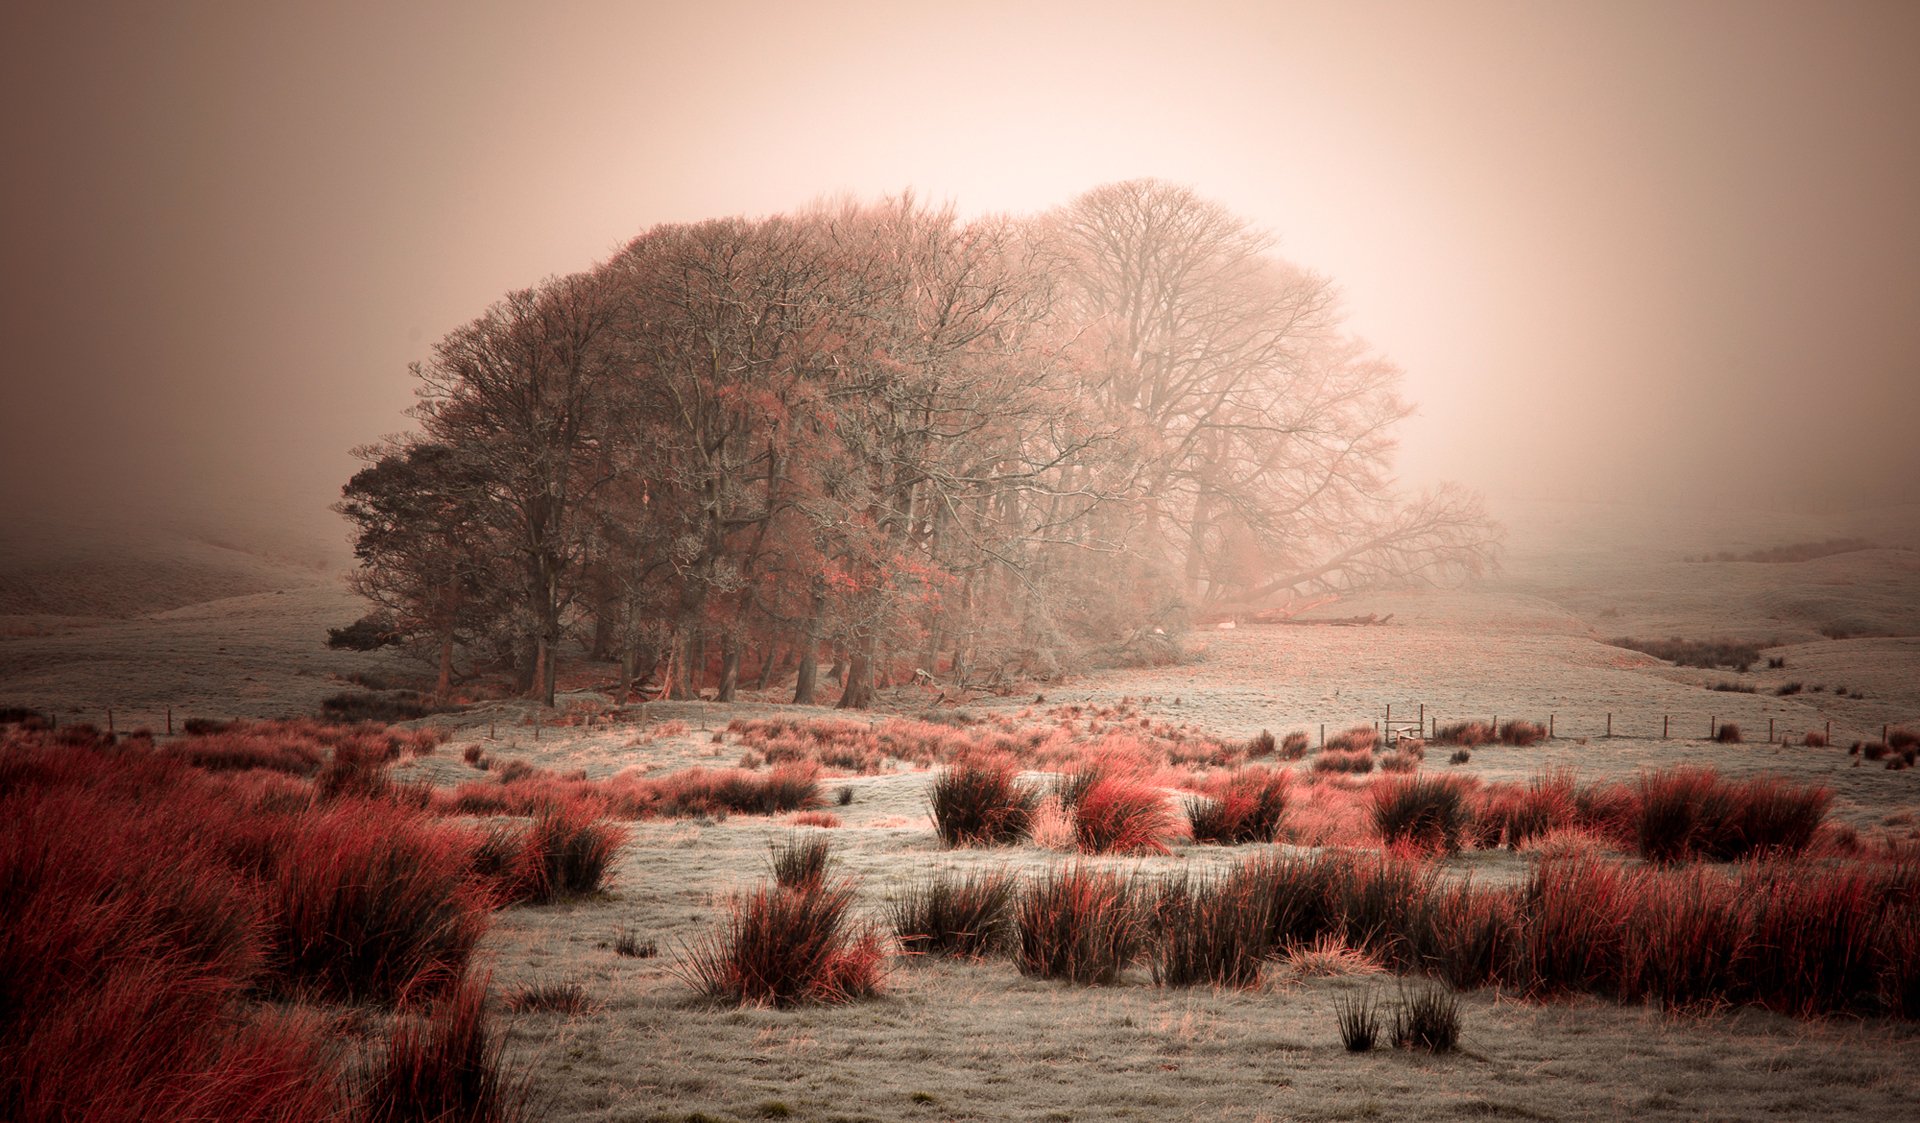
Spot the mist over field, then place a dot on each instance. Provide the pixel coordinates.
(1047, 561)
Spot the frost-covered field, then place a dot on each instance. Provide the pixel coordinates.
(979, 1041)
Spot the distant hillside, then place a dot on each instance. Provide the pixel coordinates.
(60, 567)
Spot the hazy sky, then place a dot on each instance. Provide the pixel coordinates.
(1621, 250)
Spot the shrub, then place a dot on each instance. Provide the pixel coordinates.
(1706, 654)
(981, 803)
(1399, 762)
(844, 796)
(1424, 813)
(1900, 739)
(1460, 756)
(474, 754)
(1293, 746)
(966, 915)
(1734, 688)
(1686, 938)
(1871, 750)
(1359, 1020)
(822, 819)
(447, 1064)
(1121, 815)
(1787, 689)
(1262, 745)
(1210, 930)
(1727, 734)
(387, 706)
(1245, 806)
(369, 633)
(1815, 739)
(782, 948)
(1077, 924)
(1427, 1018)
(800, 862)
(1332, 760)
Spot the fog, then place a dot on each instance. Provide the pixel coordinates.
(1661, 252)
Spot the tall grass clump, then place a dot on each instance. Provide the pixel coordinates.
(1686, 813)
(1359, 738)
(1118, 814)
(368, 902)
(1293, 746)
(1359, 1021)
(1210, 930)
(965, 915)
(1470, 734)
(800, 861)
(980, 802)
(1334, 760)
(1244, 806)
(1427, 1017)
(1727, 734)
(444, 1064)
(1425, 813)
(1522, 734)
(1078, 924)
(779, 947)
(568, 849)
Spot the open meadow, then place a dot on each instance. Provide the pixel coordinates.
(1689, 975)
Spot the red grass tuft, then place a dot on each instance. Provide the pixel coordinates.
(1078, 924)
(1121, 815)
(780, 947)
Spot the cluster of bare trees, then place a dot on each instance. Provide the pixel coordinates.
(885, 437)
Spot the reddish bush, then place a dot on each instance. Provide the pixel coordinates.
(1691, 812)
(1424, 813)
(1727, 734)
(823, 819)
(1815, 739)
(1573, 915)
(1211, 930)
(1293, 746)
(1360, 738)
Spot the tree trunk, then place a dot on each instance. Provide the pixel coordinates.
(443, 689)
(729, 668)
(809, 678)
(858, 694)
(627, 659)
(766, 668)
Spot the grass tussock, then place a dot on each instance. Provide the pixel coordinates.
(1357, 762)
(1118, 814)
(800, 861)
(779, 947)
(1686, 813)
(1359, 738)
(963, 915)
(1210, 930)
(1294, 746)
(1358, 1017)
(447, 1063)
(1078, 924)
(1522, 734)
(1468, 734)
(1423, 813)
(1241, 807)
(980, 802)
(1427, 1017)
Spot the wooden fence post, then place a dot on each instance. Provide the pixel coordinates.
(169, 721)
(1550, 718)
(1609, 723)
(1664, 719)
